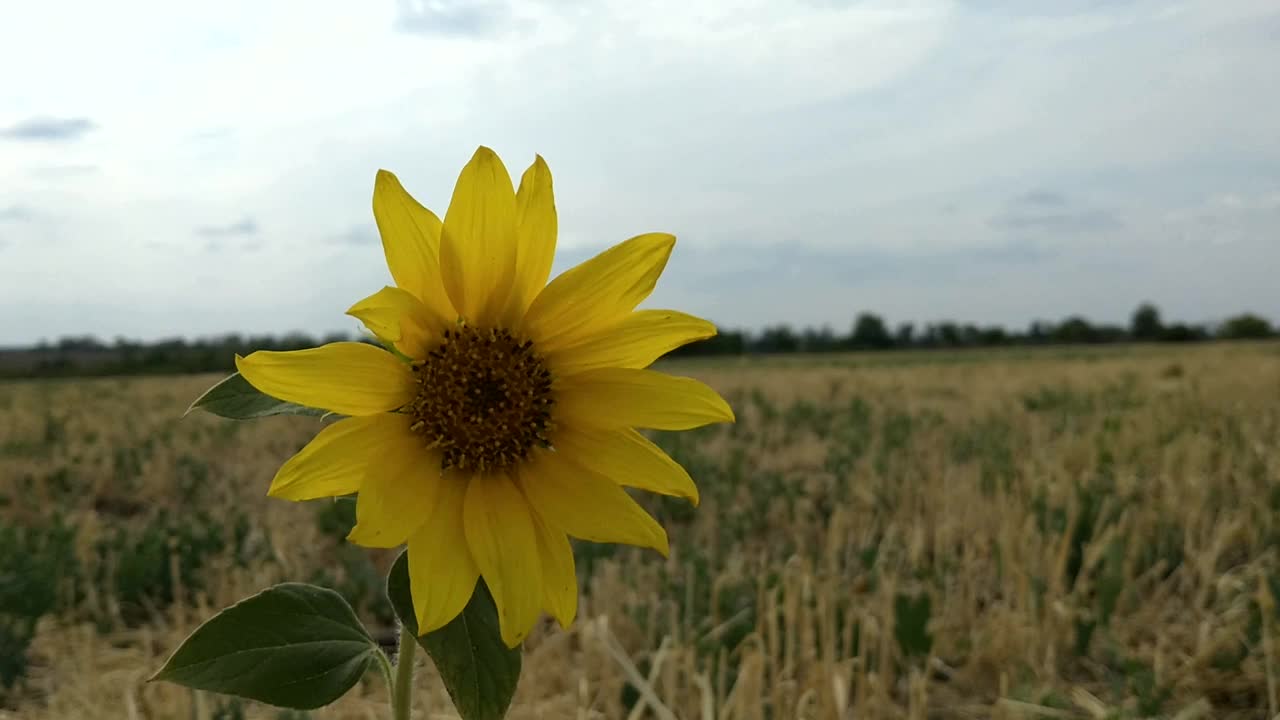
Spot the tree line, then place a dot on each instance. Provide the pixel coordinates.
(870, 331)
(89, 356)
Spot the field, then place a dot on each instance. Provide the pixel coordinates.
(1030, 534)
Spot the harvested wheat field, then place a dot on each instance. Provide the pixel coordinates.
(1019, 534)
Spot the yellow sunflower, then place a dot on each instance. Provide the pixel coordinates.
(502, 417)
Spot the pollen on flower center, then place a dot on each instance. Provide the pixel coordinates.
(484, 399)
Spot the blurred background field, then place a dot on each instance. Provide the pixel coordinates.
(1032, 533)
(1014, 500)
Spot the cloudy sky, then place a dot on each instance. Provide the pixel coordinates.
(191, 169)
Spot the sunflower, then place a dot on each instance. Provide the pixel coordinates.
(501, 414)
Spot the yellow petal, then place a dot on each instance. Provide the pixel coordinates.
(627, 458)
(597, 293)
(411, 242)
(642, 337)
(617, 398)
(348, 378)
(536, 228)
(587, 505)
(334, 462)
(399, 318)
(559, 577)
(478, 249)
(504, 543)
(398, 491)
(442, 574)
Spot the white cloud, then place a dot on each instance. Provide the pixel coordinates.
(841, 129)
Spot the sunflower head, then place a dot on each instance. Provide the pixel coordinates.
(484, 399)
(503, 415)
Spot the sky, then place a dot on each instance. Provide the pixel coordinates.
(179, 169)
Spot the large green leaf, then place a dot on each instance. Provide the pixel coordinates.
(478, 669)
(233, 397)
(292, 645)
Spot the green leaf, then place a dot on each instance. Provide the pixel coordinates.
(478, 669)
(234, 398)
(911, 623)
(292, 645)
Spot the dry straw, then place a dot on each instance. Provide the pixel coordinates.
(843, 492)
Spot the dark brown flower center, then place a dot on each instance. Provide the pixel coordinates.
(484, 399)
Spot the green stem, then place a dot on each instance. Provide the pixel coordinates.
(402, 695)
(384, 664)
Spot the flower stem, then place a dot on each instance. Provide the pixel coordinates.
(402, 694)
(384, 664)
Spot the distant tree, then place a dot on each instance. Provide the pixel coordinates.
(726, 342)
(870, 332)
(1145, 323)
(904, 337)
(929, 337)
(1110, 333)
(948, 334)
(297, 341)
(1039, 332)
(777, 339)
(1075, 329)
(994, 335)
(1182, 332)
(262, 342)
(1246, 326)
(86, 342)
(818, 339)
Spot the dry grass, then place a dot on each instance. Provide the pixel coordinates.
(1094, 534)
